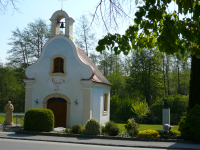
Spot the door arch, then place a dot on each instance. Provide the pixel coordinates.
(64, 99)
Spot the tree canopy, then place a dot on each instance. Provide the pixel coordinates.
(171, 31)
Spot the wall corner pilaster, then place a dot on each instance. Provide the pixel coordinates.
(87, 100)
(28, 93)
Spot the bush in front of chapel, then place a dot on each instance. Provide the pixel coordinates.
(75, 128)
(92, 127)
(39, 119)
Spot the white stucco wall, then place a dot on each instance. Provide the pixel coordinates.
(98, 93)
(71, 85)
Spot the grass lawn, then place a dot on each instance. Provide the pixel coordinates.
(2, 118)
(145, 127)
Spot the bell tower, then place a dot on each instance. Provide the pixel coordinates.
(56, 24)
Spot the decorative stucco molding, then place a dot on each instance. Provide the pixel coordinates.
(86, 74)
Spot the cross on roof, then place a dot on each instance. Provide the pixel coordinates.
(62, 3)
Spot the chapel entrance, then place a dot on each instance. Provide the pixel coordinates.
(59, 108)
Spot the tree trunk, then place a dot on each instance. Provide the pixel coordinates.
(194, 92)
(164, 73)
(179, 86)
(167, 75)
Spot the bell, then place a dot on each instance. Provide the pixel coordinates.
(62, 25)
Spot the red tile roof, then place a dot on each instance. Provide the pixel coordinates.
(97, 75)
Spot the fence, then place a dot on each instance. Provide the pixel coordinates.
(2, 127)
(20, 120)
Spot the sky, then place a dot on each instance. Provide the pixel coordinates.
(31, 10)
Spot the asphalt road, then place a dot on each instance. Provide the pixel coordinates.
(8, 144)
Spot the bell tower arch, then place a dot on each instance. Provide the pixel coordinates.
(55, 24)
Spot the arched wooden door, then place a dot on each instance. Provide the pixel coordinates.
(59, 108)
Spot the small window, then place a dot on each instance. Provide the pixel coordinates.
(105, 102)
(58, 65)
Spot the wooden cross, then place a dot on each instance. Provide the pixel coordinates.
(62, 3)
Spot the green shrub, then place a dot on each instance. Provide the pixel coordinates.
(132, 127)
(190, 130)
(111, 128)
(172, 134)
(182, 121)
(39, 119)
(103, 129)
(92, 127)
(149, 134)
(114, 131)
(75, 128)
(67, 130)
(82, 130)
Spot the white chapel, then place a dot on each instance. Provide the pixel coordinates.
(66, 81)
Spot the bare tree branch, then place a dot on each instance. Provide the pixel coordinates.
(113, 11)
(4, 4)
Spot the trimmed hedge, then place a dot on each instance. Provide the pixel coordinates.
(39, 119)
(75, 128)
(92, 127)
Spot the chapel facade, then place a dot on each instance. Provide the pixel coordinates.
(66, 81)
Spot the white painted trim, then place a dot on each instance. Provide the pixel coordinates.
(102, 85)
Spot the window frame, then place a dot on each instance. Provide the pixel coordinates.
(105, 102)
(52, 64)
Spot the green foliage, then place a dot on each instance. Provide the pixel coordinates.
(75, 128)
(172, 32)
(92, 127)
(39, 119)
(177, 105)
(120, 108)
(67, 130)
(194, 94)
(132, 127)
(27, 44)
(12, 87)
(103, 129)
(82, 130)
(149, 134)
(114, 130)
(140, 108)
(111, 128)
(145, 80)
(172, 134)
(190, 130)
(182, 121)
